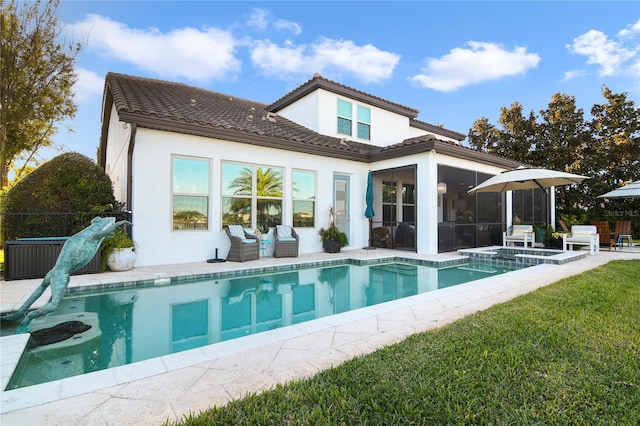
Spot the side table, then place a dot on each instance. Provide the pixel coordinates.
(264, 244)
(621, 239)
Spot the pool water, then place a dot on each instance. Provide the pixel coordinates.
(139, 323)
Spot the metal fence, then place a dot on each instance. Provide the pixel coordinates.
(41, 225)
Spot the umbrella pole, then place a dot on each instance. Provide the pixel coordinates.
(371, 247)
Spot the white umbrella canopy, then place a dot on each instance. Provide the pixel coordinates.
(525, 178)
(528, 178)
(628, 191)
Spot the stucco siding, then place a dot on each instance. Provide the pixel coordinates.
(159, 244)
(116, 158)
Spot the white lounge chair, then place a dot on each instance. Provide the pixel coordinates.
(519, 234)
(582, 235)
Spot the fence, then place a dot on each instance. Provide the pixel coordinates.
(42, 225)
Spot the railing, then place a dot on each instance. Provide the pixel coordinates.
(39, 225)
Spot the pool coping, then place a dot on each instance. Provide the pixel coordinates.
(13, 346)
(24, 398)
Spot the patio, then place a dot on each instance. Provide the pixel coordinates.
(172, 386)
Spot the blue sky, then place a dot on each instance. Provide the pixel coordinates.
(454, 61)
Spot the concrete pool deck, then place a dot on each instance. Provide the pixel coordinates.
(172, 386)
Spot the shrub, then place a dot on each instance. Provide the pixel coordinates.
(70, 182)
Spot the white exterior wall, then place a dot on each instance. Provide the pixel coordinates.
(319, 112)
(152, 194)
(116, 161)
(305, 111)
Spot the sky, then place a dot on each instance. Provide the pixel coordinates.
(454, 61)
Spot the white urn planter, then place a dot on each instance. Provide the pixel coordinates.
(122, 259)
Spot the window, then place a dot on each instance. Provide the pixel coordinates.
(344, 117)
(251, 195)
(364, 123)
(304, 198)
(388, 203)
(190, 193)
(408, 203)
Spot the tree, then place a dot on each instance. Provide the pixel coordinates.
(483, 136)
(614, 152)
(36, 80)
(605, 149)
(562, 137)
(518, 137)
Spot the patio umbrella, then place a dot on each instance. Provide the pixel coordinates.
(525, 178)
(528, 178)
(631, 190)
(368, 213)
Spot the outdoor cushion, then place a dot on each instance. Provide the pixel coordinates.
(284, 231)
(237, 231)
(286, 239)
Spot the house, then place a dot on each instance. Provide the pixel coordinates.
(188, 161)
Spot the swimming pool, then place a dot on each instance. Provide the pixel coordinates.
(137, 323)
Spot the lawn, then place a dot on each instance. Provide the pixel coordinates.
(567, 354)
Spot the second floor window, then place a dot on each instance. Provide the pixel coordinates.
(364, 122)
(345, 120)
(344, 117)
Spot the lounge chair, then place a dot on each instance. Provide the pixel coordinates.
(286, 241)
(244, 246)
(563, 226)
(583, 235)
(623, 229)
(519, 234)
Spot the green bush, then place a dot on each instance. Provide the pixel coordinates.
(70, 182)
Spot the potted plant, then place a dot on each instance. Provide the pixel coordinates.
(332, 238)
(118, 252)
(263, 228)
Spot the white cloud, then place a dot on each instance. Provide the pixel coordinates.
(477, 63)
(367, 63)
(259, 19)
(199, 55)
(570, 75)
(616, 56)
(88, 86)
(293, 27)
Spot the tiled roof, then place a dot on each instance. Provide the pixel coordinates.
(177, 107)
(319, 82)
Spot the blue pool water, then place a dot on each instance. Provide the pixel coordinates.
(138, 323)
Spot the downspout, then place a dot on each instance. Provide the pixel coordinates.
(132, 143)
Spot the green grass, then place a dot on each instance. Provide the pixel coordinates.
(567, 354)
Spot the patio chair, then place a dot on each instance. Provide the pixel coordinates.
(623, 229)
(582, 235)
(381, 237)
(244, 246)
(519, 234)
(606, 238)
(286, 241)
(563, 226)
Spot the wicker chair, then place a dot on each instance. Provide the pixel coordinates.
(288, 246)
(242, 250)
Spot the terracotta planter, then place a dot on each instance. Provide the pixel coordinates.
(122, 259)
(331, 246)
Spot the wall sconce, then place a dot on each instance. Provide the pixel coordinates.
(442, 188)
